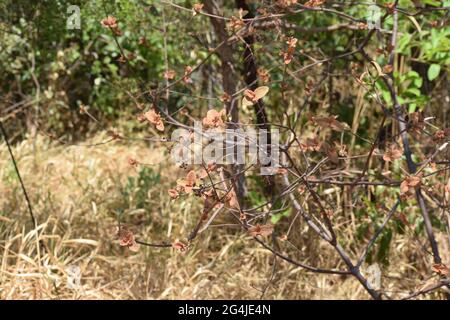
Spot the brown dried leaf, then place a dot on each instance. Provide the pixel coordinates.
(154, 118)
(197, 8)
(263, 75)
(410, 183)
(169, 74)
(209, 168)
(331, 152)
(251, 97)
(393, 152)
(132, 162)
(173, 193)
(188, 183)
(214, 119)
(404, 187)
(110, 22)
(311, 144)
(180, 246)
(314, 3)
(261, 230)
(329, 122)
(388, 68)
(286, 3)
(440, 268)
(233, 200)
(187, 72)
(416, 123)
(126, 238)
(225, 97)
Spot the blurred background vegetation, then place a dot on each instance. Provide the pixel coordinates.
(47, 72)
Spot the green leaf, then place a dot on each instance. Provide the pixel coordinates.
(277, 217)
(413, 91)
(418, 82)
(383, 251)
(434, 3)
(404, 44)
(433, 71)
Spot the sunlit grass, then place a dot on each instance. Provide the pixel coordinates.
(77, 194)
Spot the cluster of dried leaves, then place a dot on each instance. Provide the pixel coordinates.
(202, 183)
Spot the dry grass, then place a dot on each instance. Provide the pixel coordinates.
(77, 192)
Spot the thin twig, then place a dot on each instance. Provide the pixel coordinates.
(16, 168)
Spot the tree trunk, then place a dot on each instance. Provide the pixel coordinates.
(225, 52)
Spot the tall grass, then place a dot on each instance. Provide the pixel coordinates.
(78, 194)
